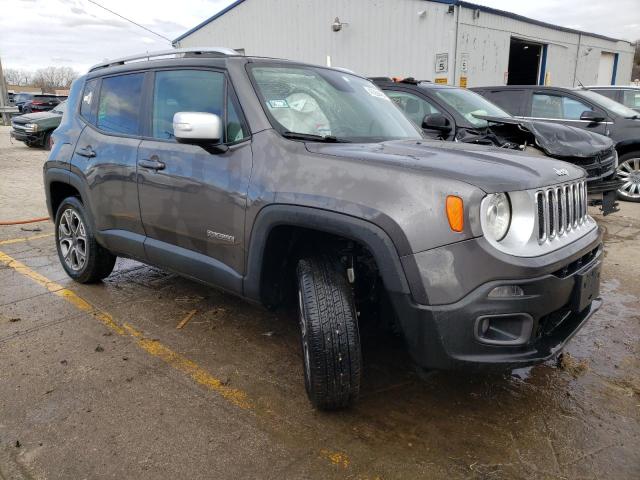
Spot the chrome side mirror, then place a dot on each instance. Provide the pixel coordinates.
(197, 127)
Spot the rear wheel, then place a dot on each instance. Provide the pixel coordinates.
(629, 172)
(81, 256)
(329, 333)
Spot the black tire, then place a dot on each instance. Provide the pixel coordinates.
(329, 334)
(98, 262)
(46, 141)
(629, 169)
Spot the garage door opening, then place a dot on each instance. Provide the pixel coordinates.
(524, 62)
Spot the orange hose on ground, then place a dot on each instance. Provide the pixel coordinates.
(22, 222)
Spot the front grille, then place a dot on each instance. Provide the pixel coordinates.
(597, 165)
(561, 209)
(577, 264)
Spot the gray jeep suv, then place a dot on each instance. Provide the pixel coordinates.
(285, 182)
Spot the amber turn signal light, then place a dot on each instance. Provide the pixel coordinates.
(455, 213)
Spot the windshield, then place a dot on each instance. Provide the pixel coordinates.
(60, 108)
(608, 104)
(316, 101)
(468, 104)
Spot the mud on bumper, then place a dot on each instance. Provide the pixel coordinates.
(549, 313)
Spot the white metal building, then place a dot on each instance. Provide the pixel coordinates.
(448, 41)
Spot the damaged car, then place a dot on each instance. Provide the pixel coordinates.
(457, 114)
(306, 188)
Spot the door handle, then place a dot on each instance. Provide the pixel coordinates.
(87, 152)
(152, 164)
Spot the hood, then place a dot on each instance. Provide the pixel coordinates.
(558, 140)
(35, 117)
(491, 169)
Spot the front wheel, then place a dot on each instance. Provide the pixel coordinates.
(329, 334)
(629, 172)
(81, 256)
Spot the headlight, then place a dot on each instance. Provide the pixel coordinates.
(497, 216)
(31, 126)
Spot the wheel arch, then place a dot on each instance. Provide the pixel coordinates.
(60, 184)
(273, 227)
(630, 146)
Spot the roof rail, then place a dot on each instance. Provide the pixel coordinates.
(214, 51)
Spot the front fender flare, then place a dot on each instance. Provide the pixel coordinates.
(368, 234)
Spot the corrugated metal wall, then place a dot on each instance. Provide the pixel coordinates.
(390, 37)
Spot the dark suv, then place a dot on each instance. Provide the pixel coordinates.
(627, 96)
(580, 108)
(35, 102)
(286, 183)
(460, 115)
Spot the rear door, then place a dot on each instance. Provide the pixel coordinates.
(193, 201)
(560, 107)
(106, 156)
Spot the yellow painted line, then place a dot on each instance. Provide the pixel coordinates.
(153, 347)
(156, 349)
(25, 239)
(186, 319)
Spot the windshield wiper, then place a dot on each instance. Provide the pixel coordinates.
(313, 138)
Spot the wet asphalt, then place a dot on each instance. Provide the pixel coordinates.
(99, 382)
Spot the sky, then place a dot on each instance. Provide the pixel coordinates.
(75, 33)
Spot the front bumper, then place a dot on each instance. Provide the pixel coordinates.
(23, 136)
(446, 336)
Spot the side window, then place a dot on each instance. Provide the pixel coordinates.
(510, 101)
(557, 106)
(89, 100)
(631, 98)
(612, 94)
(573, 108)
(119, 107)
(414, 107)
(185, 91)
(234, 131)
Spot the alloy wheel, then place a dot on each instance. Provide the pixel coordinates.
(629, 172)
(72, 238)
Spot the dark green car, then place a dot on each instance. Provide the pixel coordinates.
(34, 129)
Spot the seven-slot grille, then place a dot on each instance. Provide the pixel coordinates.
(561, 209)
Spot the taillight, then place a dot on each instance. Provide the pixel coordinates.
(37, 103)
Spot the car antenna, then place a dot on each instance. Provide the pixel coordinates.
(580, 84)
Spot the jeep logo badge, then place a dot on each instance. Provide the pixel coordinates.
(561, 171)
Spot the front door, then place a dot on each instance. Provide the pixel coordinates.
(192, 201)
(561, 108)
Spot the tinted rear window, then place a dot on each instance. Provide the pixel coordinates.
(89, 100)
(119, 107)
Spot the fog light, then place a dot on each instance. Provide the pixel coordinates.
(504, 291)
(504, 329)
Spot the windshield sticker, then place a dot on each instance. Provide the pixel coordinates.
(278, 103)
(374, 92)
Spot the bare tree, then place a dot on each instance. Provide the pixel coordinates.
(50, 78)
(14, 76)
